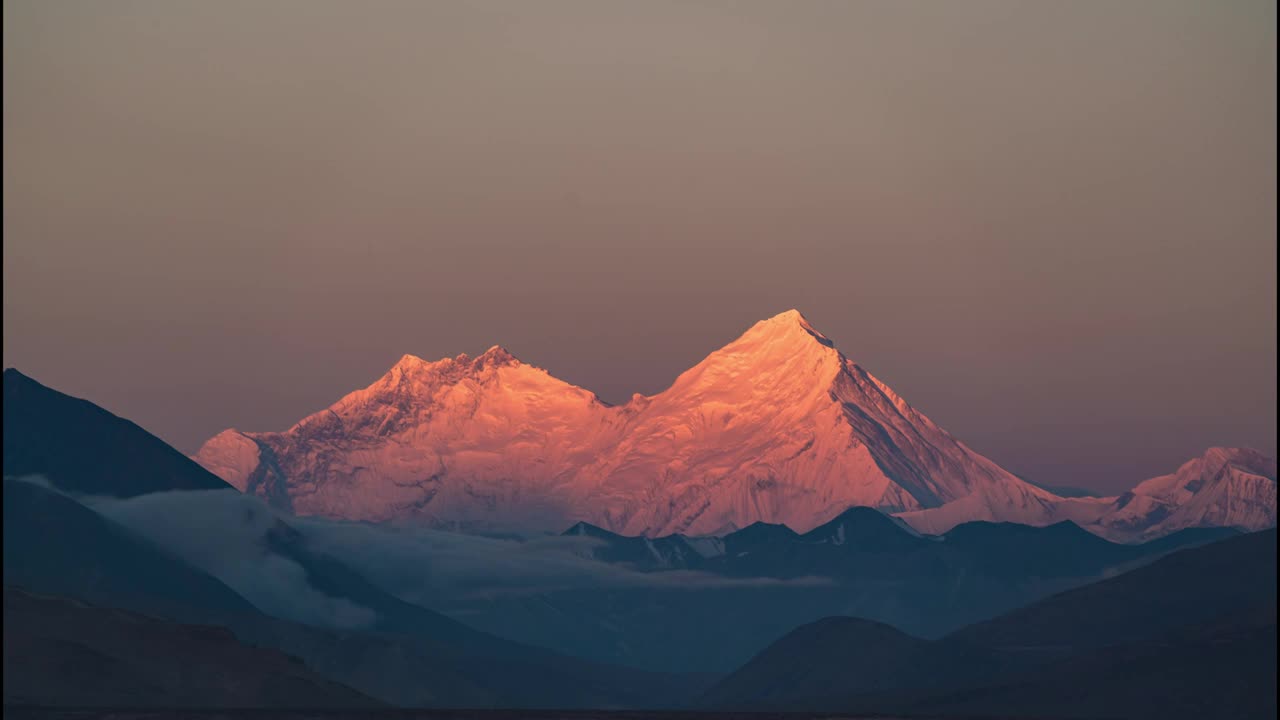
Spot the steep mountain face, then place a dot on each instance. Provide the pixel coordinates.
(781, 427)
(778, 426)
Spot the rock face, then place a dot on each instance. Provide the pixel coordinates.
(778, 426)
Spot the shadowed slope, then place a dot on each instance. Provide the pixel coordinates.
(1186, 587)
(83, 449)
(1224, 667)
(1203, 618)
(55, 545)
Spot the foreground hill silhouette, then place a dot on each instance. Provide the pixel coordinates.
(1190, 635)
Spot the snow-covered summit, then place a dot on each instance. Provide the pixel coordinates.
(777, 426)
(1223, 487)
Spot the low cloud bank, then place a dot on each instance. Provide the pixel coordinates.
(434, 566)
(223, 532)
(226, 534)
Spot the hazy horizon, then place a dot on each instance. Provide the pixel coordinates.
(1051, 227)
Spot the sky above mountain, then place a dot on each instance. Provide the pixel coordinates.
(1050, 226)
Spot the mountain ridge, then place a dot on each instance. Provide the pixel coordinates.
(776, 426)
(45, 421)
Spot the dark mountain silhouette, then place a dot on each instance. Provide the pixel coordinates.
(862, 541)
(55, 546)
(865, 529)
(756, 535)
(1021, 551)
(58, 546)
(861, 563)
(1187, 587)
(663, 553)
(816, 664)
(1218, 668)
(81, 448)
(1191, 633)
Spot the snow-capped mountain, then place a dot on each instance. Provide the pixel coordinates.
(1224, 487)
(486, 441)
(777, 426)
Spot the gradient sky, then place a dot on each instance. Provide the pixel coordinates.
(1049, 225)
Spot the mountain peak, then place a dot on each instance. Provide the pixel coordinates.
(864, 528)
(786, 323)
(409, 362)
(777, 425)
(1209, 464)
(497, 355)
(788, 316)
(583, 528)
(13, 377)
(782, 361)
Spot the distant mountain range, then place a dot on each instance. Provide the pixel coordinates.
(860, 563)
(101, 596)
(834, 548)
(778, 427)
